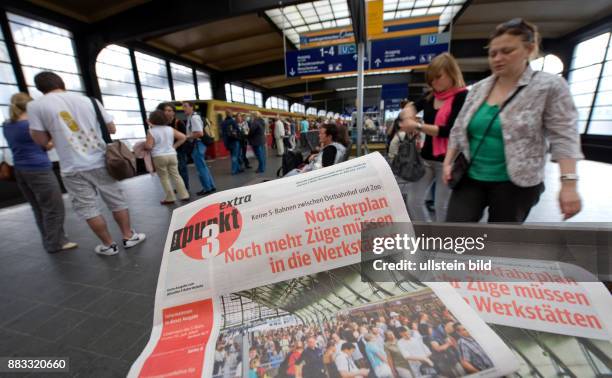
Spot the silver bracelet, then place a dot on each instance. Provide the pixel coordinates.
(569, 177)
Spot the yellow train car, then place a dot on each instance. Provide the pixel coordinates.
(214, 111)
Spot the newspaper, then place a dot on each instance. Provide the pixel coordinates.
(294, 244)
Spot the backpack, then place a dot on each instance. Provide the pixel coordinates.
(120, 161)
(291, 159)
(408, 163)
(206, 138)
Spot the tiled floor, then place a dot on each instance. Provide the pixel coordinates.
(98, 310)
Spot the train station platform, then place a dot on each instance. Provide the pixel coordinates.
(98, 310)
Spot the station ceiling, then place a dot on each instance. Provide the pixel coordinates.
(243, 41)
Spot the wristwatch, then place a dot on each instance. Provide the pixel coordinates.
(569, 177)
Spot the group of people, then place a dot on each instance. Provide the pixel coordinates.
(240, 131)
(394, 342)
(503, 127)
(69, 123)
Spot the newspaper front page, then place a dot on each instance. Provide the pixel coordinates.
(294, 245)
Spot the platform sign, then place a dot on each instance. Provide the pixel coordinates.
(393, 94)
(374, 17)
(408, 51)
(307, 98)
(327, 60)
(327, 37)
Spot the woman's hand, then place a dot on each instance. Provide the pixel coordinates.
(447, 169)
(569, 200)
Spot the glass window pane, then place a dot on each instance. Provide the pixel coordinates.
(116, 56)
(38, 25)
(126, 117)
(117, 88)
(204, 88)
(590, 51)
(604, 98)
(228, 92)
(602, 113)
(72, 81)
(120, 103)
(6, 91)
(583, 113)
(600, 127)
(4, 56)
(182, 79)
(28, 36)
(582, 87)
(115, 73)
(584, 100)
(7, 75)
(583, 74)
(29, 56)
(127, 131)
(605, 84)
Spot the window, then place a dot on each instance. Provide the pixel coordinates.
(277, 103)
(321, 113)
(238, 93)
(549, 63)
(298, 108)
(592, 66)
(119, 95)
(311, 111)
(8, 87)
(153, 77)
(182, 81)
(43, 47)
(204, 88)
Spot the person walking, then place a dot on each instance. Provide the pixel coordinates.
(184, 150)
(35, 177)
(231, 139)
(509, 122)
(257, 139)
(195, 131)
(440, 109)
(160, 140)
(70, 120)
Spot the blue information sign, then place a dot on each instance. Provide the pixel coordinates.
(307, 98)
(407, 51)
(321, 60)
(403, 52)
(393, 94)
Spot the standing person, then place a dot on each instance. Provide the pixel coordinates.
(70, 119)
(397, 362)
(312, 358)
(508, 148)
(345, 364)
(230, 133)
(257, 139)
(35, 177)
(292, 132)
(473, 357)
(304, 126)
(377, 357)
(195, 131)
(415, 352)
(243, 125)
(279, 135)
(160, 140)
(440, 109)
(184, 150)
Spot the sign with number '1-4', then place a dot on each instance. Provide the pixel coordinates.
(405, 52)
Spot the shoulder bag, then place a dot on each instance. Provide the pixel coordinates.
(120, 161)
(461, 165)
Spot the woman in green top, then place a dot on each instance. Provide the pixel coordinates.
(396, 361)
(507, 148)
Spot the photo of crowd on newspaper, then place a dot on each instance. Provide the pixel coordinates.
(409, 336)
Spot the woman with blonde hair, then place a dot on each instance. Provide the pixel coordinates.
(509, 122)
(440, 109)
(35, 177)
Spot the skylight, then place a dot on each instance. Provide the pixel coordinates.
(327, 14)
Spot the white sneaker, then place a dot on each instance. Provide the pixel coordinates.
(107, 251)
(135, 239)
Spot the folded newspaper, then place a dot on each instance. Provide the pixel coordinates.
(291, 249)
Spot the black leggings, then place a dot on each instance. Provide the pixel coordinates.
(507, 202)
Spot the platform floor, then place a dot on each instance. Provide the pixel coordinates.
(98, 310)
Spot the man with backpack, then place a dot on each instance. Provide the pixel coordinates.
(257, 139)
(70, 120)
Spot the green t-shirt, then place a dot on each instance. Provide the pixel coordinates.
(490, 162)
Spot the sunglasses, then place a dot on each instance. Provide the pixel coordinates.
(518, 23)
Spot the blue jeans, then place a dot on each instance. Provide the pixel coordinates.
(181, 157)
(199, 151)
(234, 148)
(260, 153)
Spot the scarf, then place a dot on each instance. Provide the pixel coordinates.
(440, 144)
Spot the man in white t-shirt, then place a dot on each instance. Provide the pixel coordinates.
(69, 119)
(413, 350)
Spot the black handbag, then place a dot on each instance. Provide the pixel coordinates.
(461, 165)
